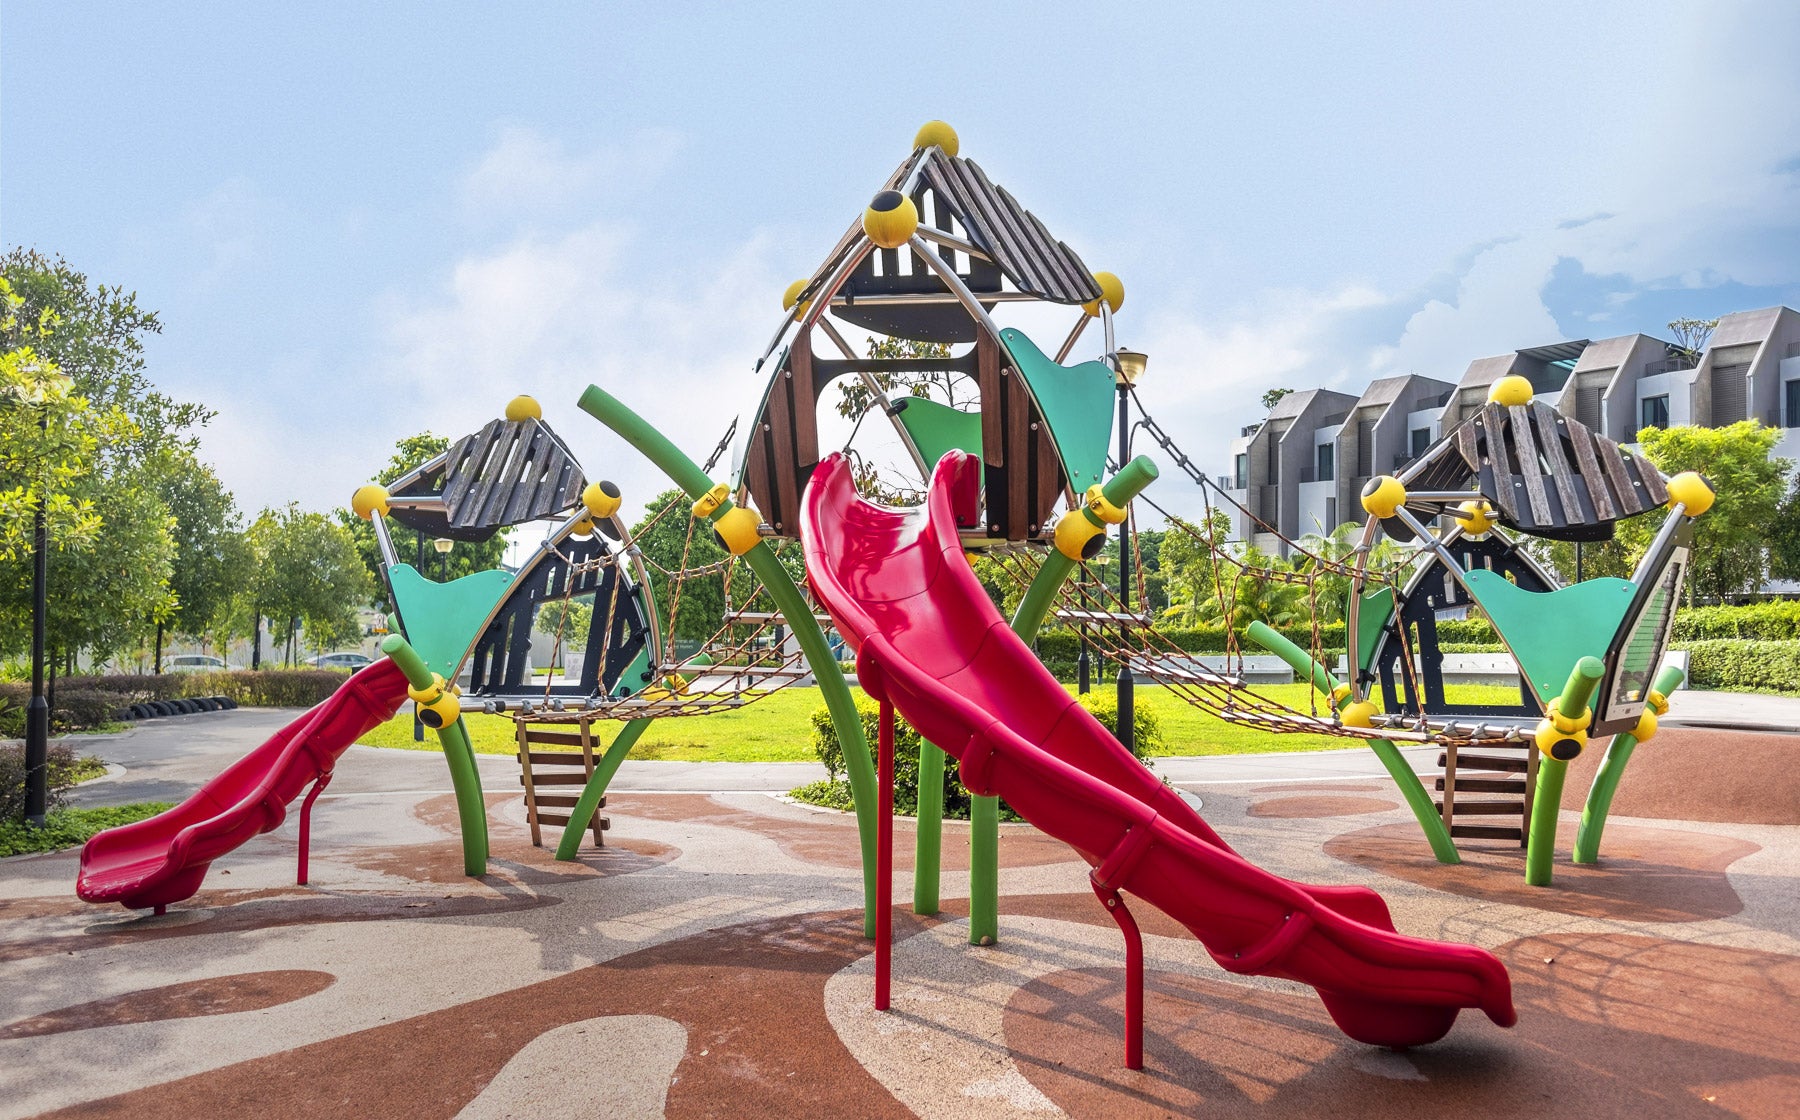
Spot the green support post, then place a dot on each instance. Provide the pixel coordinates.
(1546, 803)
(685, 473)
(595, 789)
(984, 812)
(1606, 779)
(929, 840)
(465, 779)
(1413, 790)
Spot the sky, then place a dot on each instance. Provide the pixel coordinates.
(357, 224)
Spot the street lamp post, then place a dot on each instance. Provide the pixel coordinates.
(37, 712)
(1128, 366)
(443, 546)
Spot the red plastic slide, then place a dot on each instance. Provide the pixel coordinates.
(162, 860)
(931, 643)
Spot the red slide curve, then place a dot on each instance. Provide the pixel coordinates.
(162, 860)
(930, 642)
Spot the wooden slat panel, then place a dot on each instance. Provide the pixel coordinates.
(538, 737)
(1652, 479)
(806, 427)
(559, 779)
(1018, 446)
(1498, 466)
(523, 477)
(552, 818)
(1465, 445)
(1624, 494)
(1589, 466)
(987, 376)
(780, 420)
(1550, 437)
(1525, 445)
(1007, 235)
(464, 470)
(1051, 484)
(985, 224)
(557, 800)
(479, 502)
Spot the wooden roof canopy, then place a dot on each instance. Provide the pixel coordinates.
(1545, 474)
(507, 473)
(893, 292)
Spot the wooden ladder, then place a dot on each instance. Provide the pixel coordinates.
(550, 768)
(1505, 773)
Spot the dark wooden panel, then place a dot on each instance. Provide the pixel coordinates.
(1550, 438)
(1589, 466)
(1465, 445)
(1525, 445)
(1051, 487)
(1652, 480)
(805, 396)
(1498, 469)
(1018, 452)
(993, 389)
(1625, 496)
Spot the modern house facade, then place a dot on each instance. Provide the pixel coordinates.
(1302, 469)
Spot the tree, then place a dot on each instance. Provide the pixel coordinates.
(1692, 335)
(212, 559)
(856, 401)
(1189, 567)
(1273, 397)
(1731, 554)
(465, 558)
(669, 543)
(307, 577)
(1784, 537)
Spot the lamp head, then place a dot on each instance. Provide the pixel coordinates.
(1130, 367)
(443, 545)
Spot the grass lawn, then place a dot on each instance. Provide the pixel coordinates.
(778, 728)
(65, 828)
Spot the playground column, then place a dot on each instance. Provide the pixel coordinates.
(1561, 736)
(1612, 767)
(471, 810)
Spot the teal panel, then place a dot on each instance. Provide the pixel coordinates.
(632, 679)
(1077, 403)
(936, 428)
(1549, 631)
(442, 620)
(1377, 607)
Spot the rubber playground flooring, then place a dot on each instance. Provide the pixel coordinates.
(709, 962)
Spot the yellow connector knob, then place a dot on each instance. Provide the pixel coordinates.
(583, 528)
(1341, 693)
(523, 408)
(1558, 744)
(437, 704)
(369, 500)
(1646, 726)
(708, 503)
(1079, 538)
(1102, 508)
(937, 134)
(1692, 491)
(1383, 496)
(1657, 703)
(1510, 390)
(602, 499)
(792, 296)
(890, 219)
(1112, 293)
(1570, 726)
(1360, 714)
(1477, 518)
(738, 530)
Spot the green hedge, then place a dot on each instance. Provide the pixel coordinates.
(79, 703)
(1773, 621)
(1735, 665)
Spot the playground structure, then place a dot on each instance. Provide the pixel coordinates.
(936, 252)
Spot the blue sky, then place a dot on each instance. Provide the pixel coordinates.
(359, 224)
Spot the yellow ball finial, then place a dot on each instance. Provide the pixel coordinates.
(1476, 517)
(1383, 496)
(890, 219)
(792, 296)
(1691, 489)
(583, 528)
(937, 134)
(602, 499)
(523, 408)
(1510, 390)
(1112, 291)
(369, 500)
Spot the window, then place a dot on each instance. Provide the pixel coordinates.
(1421, 441)
(1792, 405)
(1241, 472)
(1327, 463)
(1656, 412)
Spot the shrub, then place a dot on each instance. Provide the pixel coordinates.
(1146, 729)
(65, 768)
(266, 688)
(1773, 621)
(66, 828)
(1734, 665)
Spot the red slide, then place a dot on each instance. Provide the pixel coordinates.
(162, 860)
(931, 643)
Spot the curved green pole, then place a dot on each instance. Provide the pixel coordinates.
(595, 789)
(1546, 800)
(1430, 820)
(1606, 779)
(672, 461)
(465, 779)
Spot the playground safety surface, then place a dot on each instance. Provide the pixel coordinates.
(709, 962)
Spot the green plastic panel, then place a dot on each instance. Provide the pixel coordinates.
(1549, 631)
(1076, 401)
(442, 620)
(1377, 608)
(936, 428)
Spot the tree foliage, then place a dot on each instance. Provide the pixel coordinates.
(307, 577)
(673, 541)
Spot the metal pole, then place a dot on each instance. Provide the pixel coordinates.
(1127, 713)
(37, 713)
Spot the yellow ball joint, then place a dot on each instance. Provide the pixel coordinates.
(523, 407)
(583, 528)
(737, 529)
(1383, 496)
(1097, 504)
(1361, 713)
(602, 499)
(1112, 293)
(1077, 537)
(438, 705)
(890, 219)
(1476, 518)
(1510, 390)
(1656, 705)
(1692, 491)
(1563, 738)
(937, 134)
(792, 296)
(369, 500)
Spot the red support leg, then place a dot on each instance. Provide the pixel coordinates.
(306, 822)
(1134, 975)
(884, 857)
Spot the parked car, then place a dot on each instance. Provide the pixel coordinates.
(350, 660)
(195, 663)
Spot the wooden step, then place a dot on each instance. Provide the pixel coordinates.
(1483, 808)
(1487, 832)
(563, 800)
(1486, 762)
(556, 758)
(1487, 785)
(553, 738)
(563, 818)
(579, 778)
